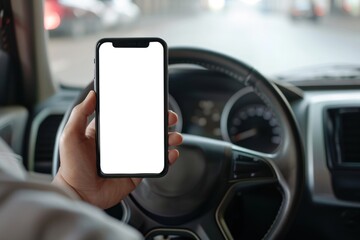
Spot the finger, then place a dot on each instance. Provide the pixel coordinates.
(172, 118)
(90, 129)
(175, 139)
(78, 119)
(173, 155)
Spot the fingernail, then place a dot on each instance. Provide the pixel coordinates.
(173, 155)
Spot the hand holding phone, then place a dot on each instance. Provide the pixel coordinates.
(131, 82)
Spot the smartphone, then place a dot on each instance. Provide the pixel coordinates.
(131, 84)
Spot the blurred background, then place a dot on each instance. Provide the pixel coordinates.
(272, 35)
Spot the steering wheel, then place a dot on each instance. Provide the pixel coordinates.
(191, 199)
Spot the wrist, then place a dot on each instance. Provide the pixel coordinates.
(60, 182)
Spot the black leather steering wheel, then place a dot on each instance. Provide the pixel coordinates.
(191, 199)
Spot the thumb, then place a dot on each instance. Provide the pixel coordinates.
(78, 119)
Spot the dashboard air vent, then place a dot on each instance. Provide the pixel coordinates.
(350, 137)
(343, 136)
(45, 141)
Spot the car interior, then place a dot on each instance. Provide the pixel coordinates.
(263, 157)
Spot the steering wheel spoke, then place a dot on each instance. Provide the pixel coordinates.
(250, 167)
(252, 170)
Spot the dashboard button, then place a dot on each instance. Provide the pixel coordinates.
(245, 167)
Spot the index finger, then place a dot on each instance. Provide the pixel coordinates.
(77, 122)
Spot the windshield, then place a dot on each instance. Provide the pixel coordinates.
(274, 36)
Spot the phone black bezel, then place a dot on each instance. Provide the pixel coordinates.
(130, 42)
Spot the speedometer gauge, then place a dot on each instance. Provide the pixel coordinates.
(251, 124)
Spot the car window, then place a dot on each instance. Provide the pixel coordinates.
(273, 36)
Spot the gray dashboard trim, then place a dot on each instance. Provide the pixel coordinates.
(318, 175)
(15, 117)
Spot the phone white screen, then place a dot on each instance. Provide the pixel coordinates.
(131, 109)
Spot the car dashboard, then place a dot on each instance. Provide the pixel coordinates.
(212, 105)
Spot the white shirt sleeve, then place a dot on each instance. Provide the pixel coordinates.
(30, 210)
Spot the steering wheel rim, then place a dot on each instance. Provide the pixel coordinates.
(287, 173)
